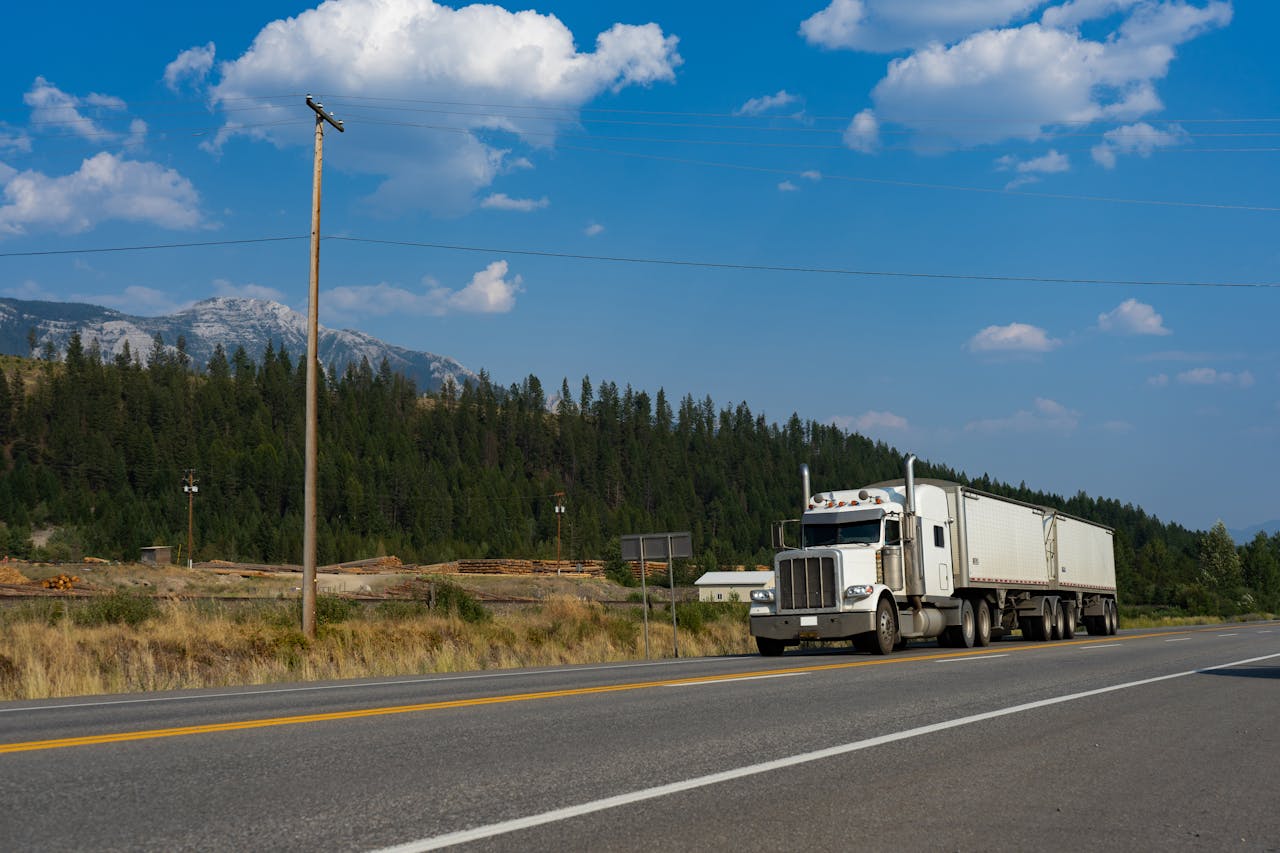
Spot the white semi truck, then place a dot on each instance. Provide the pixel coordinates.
(915, 559)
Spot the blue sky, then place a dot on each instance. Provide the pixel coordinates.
(1119, 140)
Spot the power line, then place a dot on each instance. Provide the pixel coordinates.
(148, 247)
(805, 270)
(844, 118)
(677, 262)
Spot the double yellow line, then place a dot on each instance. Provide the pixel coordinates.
(242, 725)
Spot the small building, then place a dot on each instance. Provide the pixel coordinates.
(731, 586)
(160, 555)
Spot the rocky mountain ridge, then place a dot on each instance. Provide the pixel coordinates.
(230, 321)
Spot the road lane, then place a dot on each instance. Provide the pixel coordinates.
(362, 782)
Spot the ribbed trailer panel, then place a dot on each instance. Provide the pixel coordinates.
(1005, 541)
(1086, 555)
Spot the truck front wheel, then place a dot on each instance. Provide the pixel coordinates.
(886, 633)
(770, 647)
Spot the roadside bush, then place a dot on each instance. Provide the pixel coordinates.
(331, 609)
(693, 616)
(456, 600)
(118, 608)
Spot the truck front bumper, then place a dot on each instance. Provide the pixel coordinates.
(793, 627)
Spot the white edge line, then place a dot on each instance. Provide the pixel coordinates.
(1101, 646)
(1228, 635)
(312, 687)
(972, 658)
(493, 829)
(1178, 640)
(732, 680)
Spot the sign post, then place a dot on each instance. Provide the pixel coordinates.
(670, 546)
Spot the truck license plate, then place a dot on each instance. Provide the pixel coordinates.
(808, 621)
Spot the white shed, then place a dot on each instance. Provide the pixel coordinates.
(732, 586)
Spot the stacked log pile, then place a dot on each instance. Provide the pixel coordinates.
(591, 568)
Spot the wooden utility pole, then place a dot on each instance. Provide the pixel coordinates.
(313, 357)
(189, 486)
(559, 514)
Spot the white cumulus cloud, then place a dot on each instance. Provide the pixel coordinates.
(863, 133)
(1045, 416)
(1014, 80)
(223, 287)
(191, 66)
(873, 421)
(1030, 170)
(422, 50)
(1015, 337)
(1140, 139)
(105, 187)
(490, 291)
(1160, 380)
(888, 26)
(502, 201)
(767, 103)
(593, 230)
(787, 187)
(1132, 317)
(55, 110)
(1210, 376)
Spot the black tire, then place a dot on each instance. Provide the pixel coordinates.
(770, 647)
(1055, 620)
(1095, 625)
(886, 630)
(1113, 617)
(982, 624)
(1038, 626)
(965, 631)
(1069, 620)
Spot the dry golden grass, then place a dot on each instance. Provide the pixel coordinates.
(51, 652)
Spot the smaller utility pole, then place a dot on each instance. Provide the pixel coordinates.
(189, 486)
(313, 356)
(559, 515)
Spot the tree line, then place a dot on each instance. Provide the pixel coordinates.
(97, 448)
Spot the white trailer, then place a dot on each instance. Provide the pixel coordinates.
(907, 559)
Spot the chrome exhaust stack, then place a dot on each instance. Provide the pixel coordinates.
(804, 479)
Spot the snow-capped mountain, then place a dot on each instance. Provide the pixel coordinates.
(232, 322)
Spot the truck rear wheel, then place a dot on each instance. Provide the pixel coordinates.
(770, 647)
(960, 636)
(982, 624)
(886, 633)
(1113, 617)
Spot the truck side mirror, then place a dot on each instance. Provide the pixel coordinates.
(778, 534)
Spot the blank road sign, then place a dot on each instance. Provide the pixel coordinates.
(655, 546)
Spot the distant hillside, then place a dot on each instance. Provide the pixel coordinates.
(1245, 535)
(232, 322)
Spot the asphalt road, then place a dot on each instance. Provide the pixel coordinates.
(1148, 740)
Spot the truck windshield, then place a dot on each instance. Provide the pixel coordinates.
(853, 533)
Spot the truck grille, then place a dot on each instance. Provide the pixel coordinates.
(806, 583)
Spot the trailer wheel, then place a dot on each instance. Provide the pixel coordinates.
(886, 633)
(982, 624)
(1069, 620)
(1113, 617)
(1038, 627)
(770, 647)
(1056, 621)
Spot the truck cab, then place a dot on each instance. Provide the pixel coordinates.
(861, 555)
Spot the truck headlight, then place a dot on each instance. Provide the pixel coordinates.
(859, 590)
(764, 596)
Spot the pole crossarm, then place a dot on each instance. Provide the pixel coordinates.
(325, 114)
